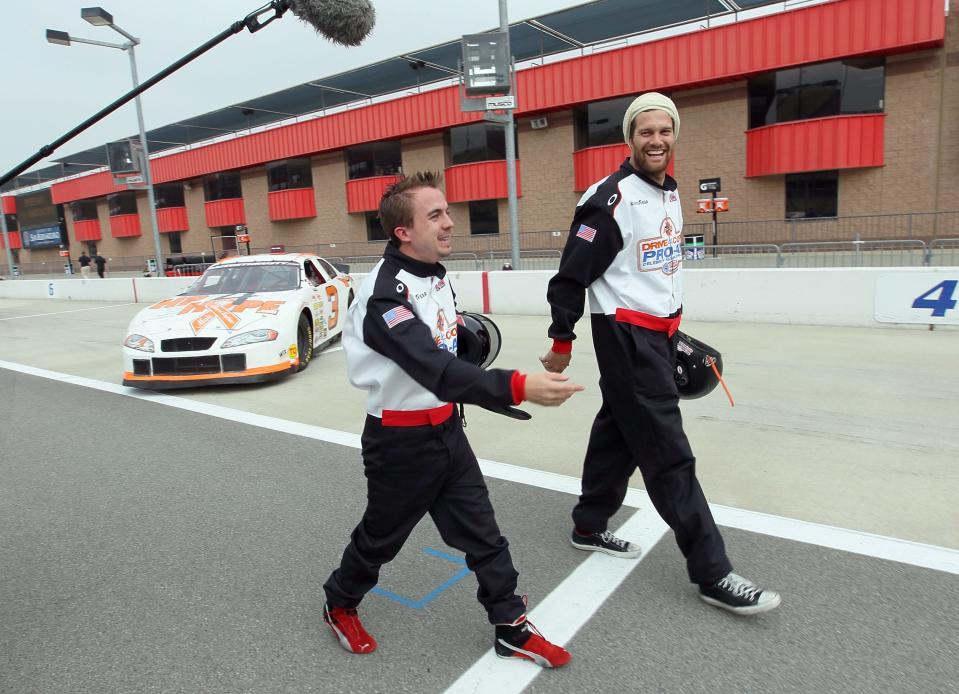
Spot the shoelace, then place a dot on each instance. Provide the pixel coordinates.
(608, 537)
(740, 587)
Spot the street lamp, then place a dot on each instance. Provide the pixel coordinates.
(97, 16)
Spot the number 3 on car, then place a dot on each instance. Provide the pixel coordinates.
(333, 297)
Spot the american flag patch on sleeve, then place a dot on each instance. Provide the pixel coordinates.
(397, 315)
(586, 232)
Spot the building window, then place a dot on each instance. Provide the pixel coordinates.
(374, 159)
(122, 203)
(169, 195)
(175, 245)
(812, 194)
(600, 123)
(484, 217)
(91, 247)
(289, 174)
(222, 186)
(84, 210)
(845, 87)
(374, 228)
(11, 222)
(469, 144)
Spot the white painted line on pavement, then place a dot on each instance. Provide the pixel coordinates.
(854, 541)
(342, 438)
(72, 310)
(573, 602)
(566, 609)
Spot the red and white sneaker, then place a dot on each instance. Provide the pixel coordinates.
(347, 628)
(521, 640)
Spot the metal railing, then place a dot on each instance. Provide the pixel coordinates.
(541, 250)
(913, 225)
(944, 252)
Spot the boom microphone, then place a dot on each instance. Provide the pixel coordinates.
(346, 22)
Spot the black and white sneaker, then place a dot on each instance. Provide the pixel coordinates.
(607, 543)
(736, 594)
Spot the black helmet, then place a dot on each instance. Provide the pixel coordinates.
(694, 375)
(478, 339)
(478, 342)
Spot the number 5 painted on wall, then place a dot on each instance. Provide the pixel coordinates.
(334, 295)
(944, 302)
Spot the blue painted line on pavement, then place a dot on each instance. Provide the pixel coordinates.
(432, 595)
(444, 555)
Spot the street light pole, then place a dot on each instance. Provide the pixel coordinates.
(147, 175)
(97, 16)
(6, 239)
(510, 155)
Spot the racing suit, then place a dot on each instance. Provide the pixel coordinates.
(624, 250)
(400, 341)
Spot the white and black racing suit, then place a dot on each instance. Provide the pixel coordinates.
(400, 341)
(624, 250)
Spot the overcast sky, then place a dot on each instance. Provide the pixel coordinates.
(49, 89)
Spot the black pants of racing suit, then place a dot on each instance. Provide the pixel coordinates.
(412, 471)
(640, 426)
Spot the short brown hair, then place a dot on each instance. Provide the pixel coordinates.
(396, 205)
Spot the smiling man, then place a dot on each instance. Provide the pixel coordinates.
(624, 250)
(401, 341)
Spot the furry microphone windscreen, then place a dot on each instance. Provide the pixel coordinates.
(346, 22)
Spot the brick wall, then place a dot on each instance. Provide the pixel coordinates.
(546, 169)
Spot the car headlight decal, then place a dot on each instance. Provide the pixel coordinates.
(139, 342)
(249, 338)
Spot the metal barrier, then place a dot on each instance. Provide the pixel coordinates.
(944, 252)
(897, 253)
(542, 251)
(733, 256)
(907, 226)
(190, 269)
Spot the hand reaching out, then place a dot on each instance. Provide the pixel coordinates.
(550, 389)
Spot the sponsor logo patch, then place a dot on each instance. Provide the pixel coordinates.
(658, 254)
(397, 315)
(585, 232)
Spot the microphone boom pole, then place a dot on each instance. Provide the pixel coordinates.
(251, 21)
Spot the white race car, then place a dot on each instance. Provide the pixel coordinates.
(247, 319)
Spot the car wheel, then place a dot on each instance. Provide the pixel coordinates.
(304, 342)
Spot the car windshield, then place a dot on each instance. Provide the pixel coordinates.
(241, 279)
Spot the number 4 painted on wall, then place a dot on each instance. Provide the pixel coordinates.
(942, 303)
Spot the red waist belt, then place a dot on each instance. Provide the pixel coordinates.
(417, 418)
(644, 320)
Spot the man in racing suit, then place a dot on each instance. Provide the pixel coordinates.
(401, 343)
(624, 249)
